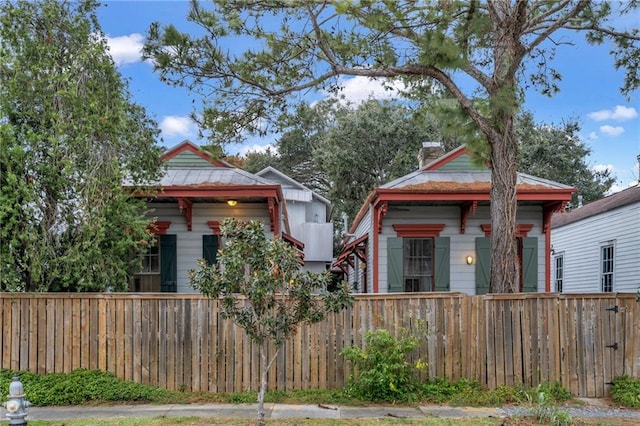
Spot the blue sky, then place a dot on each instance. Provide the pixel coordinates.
(589, 90)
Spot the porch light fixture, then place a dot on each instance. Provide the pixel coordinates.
(469, 260)
(232, 202)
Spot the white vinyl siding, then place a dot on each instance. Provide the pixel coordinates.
(581, 243)
(363, 228)
(558, 273)
(607, 267)
(462, 275)
(189, 243)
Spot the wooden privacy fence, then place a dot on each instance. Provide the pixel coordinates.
(182, 341)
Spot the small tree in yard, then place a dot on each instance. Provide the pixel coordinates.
(262, 289)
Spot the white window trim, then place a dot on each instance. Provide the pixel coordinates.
(602, 245)
(555, 270)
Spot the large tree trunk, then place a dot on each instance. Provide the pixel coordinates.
(508, 19)
(503, 213)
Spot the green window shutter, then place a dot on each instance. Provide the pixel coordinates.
(442, 263)
(395, 270)
(210, 248)
(168, 264)
(483, 264)
(530, 264)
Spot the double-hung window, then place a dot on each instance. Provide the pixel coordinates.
(606, 265)
(418, 259)
(148, 277)
(558, 266)
(418, 264)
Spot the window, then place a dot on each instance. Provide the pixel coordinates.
(148, 278)
(210, 248)
(606, 260)
(558, 266)
(151, 261)
(418, 264)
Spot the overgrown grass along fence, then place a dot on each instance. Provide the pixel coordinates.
(182, 342)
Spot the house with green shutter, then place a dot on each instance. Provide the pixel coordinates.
(430, 230)
(197, 192)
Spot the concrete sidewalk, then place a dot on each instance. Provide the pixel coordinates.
(273, 411)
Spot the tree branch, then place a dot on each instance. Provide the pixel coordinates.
(559, 23)
(606, 31)
(538, 20)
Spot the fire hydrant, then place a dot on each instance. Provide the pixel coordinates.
(16, 405)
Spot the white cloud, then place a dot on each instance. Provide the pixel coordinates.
(126, 49)
(173, 125)
(592, 136)
(611, 130)
(358, 89)
(618, 113)
(620, 186)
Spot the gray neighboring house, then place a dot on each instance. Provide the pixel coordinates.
(309, 219)
(596, 247)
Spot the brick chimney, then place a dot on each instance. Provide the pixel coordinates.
(430, 151)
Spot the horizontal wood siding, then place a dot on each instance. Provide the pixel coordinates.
(182, 342)
(462, 245)
(364, 228)
(189, 243)
(580, 244)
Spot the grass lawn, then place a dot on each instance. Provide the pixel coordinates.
(194, 421)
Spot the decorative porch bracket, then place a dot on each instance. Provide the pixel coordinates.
(548, 211)
(381, 211)
(465, 209)
(186, 208)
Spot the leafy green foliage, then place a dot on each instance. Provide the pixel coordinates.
(344, 151)
(70, 137)
(267, 274)
(555, 152)
(544, 410)
(626, 391)
(79, 387)
(302, 132)
(384, 372)
(472, 50)
(369, 145)
(90, 386)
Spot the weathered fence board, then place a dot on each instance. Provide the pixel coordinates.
(182, 341)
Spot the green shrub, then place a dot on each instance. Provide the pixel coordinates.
(78, 387)
(543, 409)
(626, 391)
(470, 393)
(553, 392)
(384, 372)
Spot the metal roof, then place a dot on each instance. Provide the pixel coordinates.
(293, 190)
(421, 179)
(187, 176)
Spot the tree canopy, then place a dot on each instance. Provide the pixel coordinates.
(555, 152)
(481, 53)
(70, 136)
(344, 151)
(369, 146)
